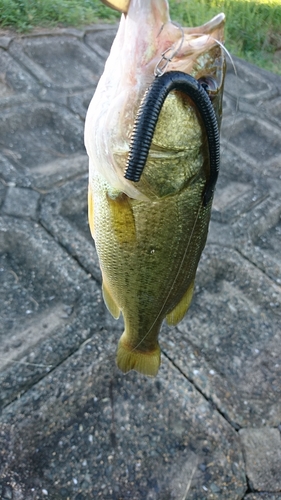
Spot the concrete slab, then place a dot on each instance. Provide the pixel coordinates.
(263, 496)
(259, 141)
(71, 425)
(49, 306)
(273, 109)
(79, 102)
(259, 237)
(64, 213)
(21, 201)
(15, 82)
(2, 193)
(95, 433)
(262, 450)
(5, 40)
(10, 176)
(44, 142)
(246, 83)
(58, 62)
(239, 188)
(229, 343)
(100, 39)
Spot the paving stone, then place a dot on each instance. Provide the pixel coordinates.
(10, 176)
(263, 496)
(59, 97)
(79, 102)
(44, 142)
(239, 189)
(100, 38)
(14, 79)
(258, 237)
(49, 306)
(56, 32)
(72, 426)
(2, 193)
(59, 62)
(21, 202)
(247, 83)
(229, 342)
(229, 108)
(5, 41)
(262, 450)
(258, 141)
(64, 213)
(95, 432)
(273, 109)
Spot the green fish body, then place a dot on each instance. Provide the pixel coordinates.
(149, 235)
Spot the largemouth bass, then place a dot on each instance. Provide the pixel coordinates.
(150, 228)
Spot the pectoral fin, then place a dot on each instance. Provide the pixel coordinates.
(110, 302)
(122, 219)
(91, 210)
(177, 314)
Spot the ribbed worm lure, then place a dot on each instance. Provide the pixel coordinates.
(148, 115)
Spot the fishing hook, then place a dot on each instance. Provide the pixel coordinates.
(148, 115)
(165, 59)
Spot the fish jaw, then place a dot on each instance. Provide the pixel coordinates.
(144, 34)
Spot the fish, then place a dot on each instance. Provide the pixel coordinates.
(153, 165)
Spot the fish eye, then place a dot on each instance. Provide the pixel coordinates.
(209, 84)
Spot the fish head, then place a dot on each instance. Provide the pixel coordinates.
(147, 44)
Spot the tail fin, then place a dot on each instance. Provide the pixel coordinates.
(143, 362)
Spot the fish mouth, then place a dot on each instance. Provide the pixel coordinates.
(151, 38)
(155, 44)
(195, 43)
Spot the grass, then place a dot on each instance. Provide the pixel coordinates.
(253, 29)
(23, 15)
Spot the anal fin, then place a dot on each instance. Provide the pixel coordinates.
(177, 314)
(110, 302)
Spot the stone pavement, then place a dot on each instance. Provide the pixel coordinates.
(72, 426)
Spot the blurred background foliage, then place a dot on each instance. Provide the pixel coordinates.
(253, 28)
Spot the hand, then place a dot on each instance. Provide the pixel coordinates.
(121, 5)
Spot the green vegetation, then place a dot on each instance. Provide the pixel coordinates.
(23, 15)
(253, 29)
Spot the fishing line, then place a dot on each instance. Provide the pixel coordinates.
(130, 175)
(26, 363)
(174, 281)
(236, 84)
(222, 46)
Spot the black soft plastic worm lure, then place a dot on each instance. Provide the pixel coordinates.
(148, 115)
